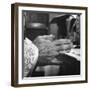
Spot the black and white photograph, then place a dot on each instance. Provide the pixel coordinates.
(55, 38)
(51, 44)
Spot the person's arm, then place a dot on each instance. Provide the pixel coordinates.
(43, 51)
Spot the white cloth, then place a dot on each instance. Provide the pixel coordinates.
(30, 56)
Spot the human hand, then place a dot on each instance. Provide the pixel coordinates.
(46, 46)
(64, 45)
(49, 47)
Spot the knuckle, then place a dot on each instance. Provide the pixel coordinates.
(39, 37)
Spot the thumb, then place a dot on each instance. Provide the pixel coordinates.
(49, 37)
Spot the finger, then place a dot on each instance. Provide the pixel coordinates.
(65, 51)
(53, 53)
(62, 41)
(66, 47)
(40, 39)
(49, 53)
(62, 48)
(48, 37)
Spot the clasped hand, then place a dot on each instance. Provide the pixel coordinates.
(48, 47)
